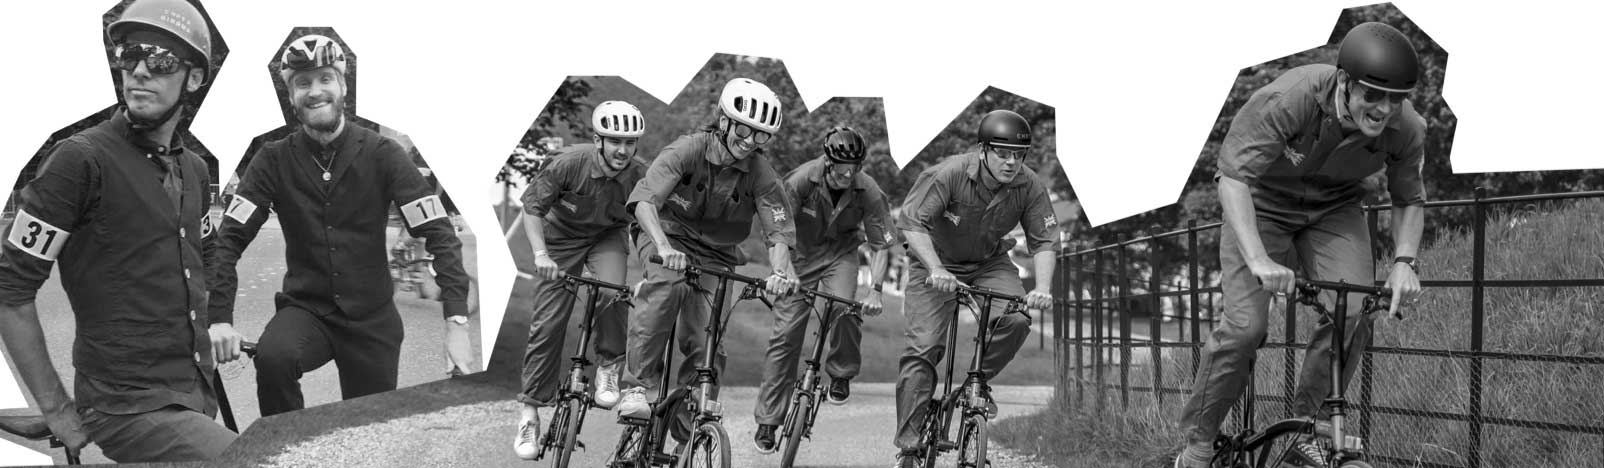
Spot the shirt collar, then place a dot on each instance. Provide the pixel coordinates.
(594, 169)
(123, 127)
(717, 144)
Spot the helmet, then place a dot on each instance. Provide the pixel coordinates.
(843, 145)
(1380, 57)
(751, 103)
(1004, 128)
(311, 52)
(617, 119)
(176, 17)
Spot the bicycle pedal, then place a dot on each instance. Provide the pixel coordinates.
(946, 446)
(664, 459)
(631, 421)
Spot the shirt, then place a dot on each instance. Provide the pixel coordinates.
(707, 210)
(1287, 144)
(969, 223)
(576, 198)
(334, 230)
(132, 263)
(825, 227)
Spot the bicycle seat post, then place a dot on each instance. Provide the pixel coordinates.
(1335, 402)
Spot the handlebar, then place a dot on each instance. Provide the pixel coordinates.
(990, 293)
(726, 274)
(1315, 286)
(595, 282)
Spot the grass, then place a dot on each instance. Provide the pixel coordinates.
(1561, 241)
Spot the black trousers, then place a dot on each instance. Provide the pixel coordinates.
(367, 352)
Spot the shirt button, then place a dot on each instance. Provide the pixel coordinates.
(191, 315)
(180, 232)
(336, 296)
(186, 273)
(331, 249)
(197, 357)
(331, 228)
(336, 273)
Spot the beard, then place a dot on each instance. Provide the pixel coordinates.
(323, 119)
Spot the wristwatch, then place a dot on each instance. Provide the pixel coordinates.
(1408, 261)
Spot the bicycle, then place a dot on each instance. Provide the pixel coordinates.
(409, 270)
(971, 401)
(568, 418)
(641, 444)
(33, 426)
(803, 411)
(1250, 449)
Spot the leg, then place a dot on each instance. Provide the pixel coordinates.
(841, 279)
(169, 434)
(1008, 331)
(1228, 353)
(1336, 248)
(695, 313)
(608, 258)
(369, 353)
(543, 360)
(657, 302)
(791, 316)
(928, 313)
(295, 342)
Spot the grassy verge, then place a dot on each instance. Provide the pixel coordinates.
(1082, 438)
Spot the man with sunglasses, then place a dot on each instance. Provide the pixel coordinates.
(121, 209)
(331, 184)
(1291, 177)
(574, 218)
(838, 209)
(694, 207)
(956, 219)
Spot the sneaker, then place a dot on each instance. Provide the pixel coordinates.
(991, 405)
(840, 391)
(607, 394)
(1307, 453)
(764, 439)
(1194, 456)
(633, 404)
(908, 459)
(528, 439)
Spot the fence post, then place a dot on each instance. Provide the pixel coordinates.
(1477, 278)
(1123, 308)
(1097, 328)
(1196, 304)
(1080, 330)
(1155, 319)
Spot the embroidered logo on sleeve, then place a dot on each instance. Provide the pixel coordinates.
(779, 215)
(889, 237)
(1294, 156)
(681, 201)
(569, 205)
(1049, 220)
(240, 209)
(952, 217)
(808, 210)
(36, 237)
(423, 210)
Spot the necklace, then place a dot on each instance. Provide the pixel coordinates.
(326, 175)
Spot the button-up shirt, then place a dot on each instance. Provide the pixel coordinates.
(969, 223)
(576, 198)
(706, 209)
(334, 229)
(132, 264)
(827, 227)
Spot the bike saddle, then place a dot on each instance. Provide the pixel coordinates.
(31, 426)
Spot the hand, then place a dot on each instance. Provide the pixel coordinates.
(673, 259)
(459, 351)
(1405, 288)
(225, 342)
(65, 425)
(1039, 300)
(546, 268)
(942, 280)
(780, 283)
(1273, 277)
(870, 305)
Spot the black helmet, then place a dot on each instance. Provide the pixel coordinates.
(843, 145)
(1006, 129)
(1379, 56)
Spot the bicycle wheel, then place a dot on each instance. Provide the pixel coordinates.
(972, 442)
(1355, 464)
(798, 427)
(573, 415)
(708, 447)
(931, 433)
(631, 449)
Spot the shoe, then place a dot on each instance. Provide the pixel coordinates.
(1194, 457)
(526, 443)
(633, 404)
(1307, 453)
(991, 405)
(908, 459)
(840, 391)
(607, 394)
(764, 439)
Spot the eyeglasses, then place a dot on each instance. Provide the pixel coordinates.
(744, 131)
(159, 60)
(1373, 95)
(843, 170)
(1010, 154)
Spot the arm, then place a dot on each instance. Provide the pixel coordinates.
(425, 216)
(646, 215)
(542, 192)
(775, 216)
(649, 193)
(241, 221)
(1236, 200)
(1404, 183)
(925, 251)
(25, 343)
(877, 273)
(926, 200)
(535, 230)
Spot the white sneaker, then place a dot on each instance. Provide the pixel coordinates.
(607, 393)
(633, 404)
(528, 438)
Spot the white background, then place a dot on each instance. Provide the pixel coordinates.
(1136, 84)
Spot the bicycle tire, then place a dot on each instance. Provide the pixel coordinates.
(708, 447)
(574, 416)
(930, 433)
(629, 453)
(796, 429)
(1354, 464)
(972, 442)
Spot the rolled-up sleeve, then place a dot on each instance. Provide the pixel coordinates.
(665, 172)
(926, 200)
(549, 183)
(879, 230)
(774, 213)
(1404, 180)
(1040, 222)
(49, 208)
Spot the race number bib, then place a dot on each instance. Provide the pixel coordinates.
(37, 238)
(423, 210)
(240, 209)
(206, 225)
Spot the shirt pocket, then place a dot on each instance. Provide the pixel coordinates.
(130, 352)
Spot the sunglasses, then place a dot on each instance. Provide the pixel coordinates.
(159, 60)
(1373, 95)
(743, 132)
(1010, 154)
(843, 170)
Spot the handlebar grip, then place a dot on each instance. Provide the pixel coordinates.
(248, 347)
(654, 258)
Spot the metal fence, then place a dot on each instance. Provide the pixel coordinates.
(1464, 382)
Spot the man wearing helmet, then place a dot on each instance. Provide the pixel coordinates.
(956, 219)
(838, 208)
(574, 217)
(694, 206)
(331, 184)
(1291, 174)
(133, 202)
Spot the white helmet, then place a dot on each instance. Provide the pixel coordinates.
(751, 103)
(617, 119)
(311, 52)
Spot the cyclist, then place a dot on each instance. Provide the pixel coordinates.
(695, 205)
(956, 220)
(838, 208)
(1291, 180)
(574, 217)
(331, 184)
(123, 207)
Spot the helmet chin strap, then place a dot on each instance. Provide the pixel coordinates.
(144, 126)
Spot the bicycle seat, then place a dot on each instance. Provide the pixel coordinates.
(30, 426)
